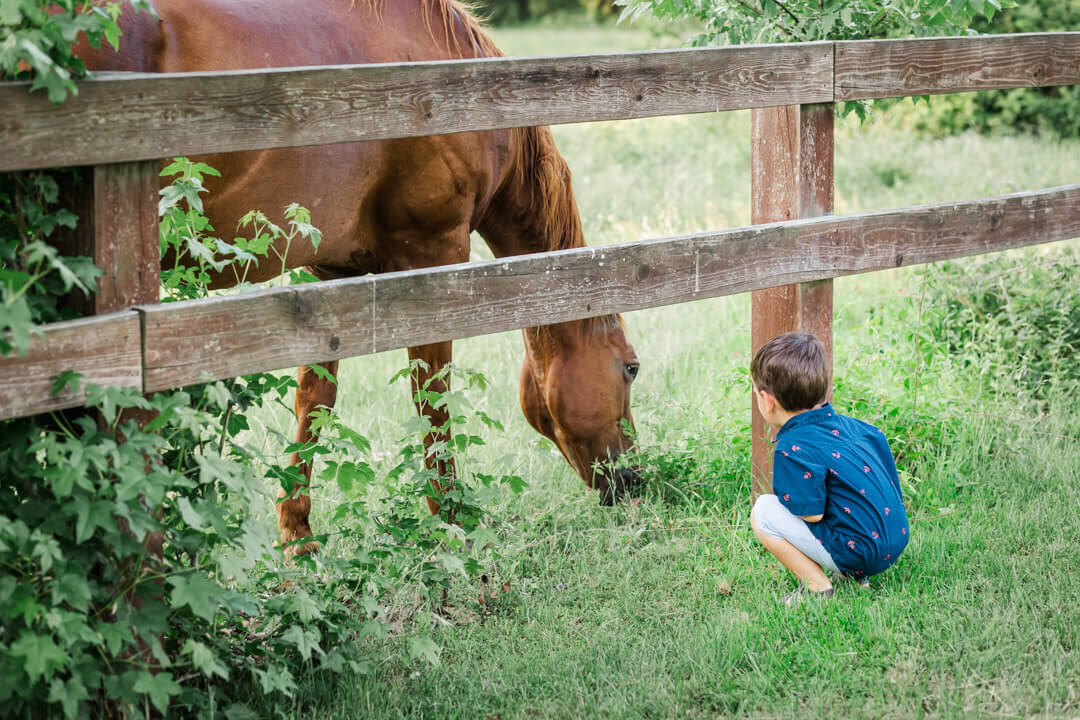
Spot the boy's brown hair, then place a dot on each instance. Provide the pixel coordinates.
(791, 367)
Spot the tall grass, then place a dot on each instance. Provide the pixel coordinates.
(668, 608)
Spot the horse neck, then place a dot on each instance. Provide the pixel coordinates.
(533, 210)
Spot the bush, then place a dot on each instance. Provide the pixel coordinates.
(1014, 320)
(94, 616)
(1053, 111)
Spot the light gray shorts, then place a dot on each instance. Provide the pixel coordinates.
(776, 520)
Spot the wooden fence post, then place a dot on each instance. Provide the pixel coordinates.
(791, 178)
(118, 229)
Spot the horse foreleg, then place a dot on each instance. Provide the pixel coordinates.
(293, 511)
(436, 356)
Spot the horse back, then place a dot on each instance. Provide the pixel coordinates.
(358, 192)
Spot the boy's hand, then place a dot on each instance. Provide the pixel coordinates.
(812, 518)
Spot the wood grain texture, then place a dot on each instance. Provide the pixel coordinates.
(286, 327)
(106, 349)
(125, 223)
(900, 68)
(125, 117)
(792, 176)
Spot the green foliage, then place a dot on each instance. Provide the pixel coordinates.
(33, 276)
(1053, 111)
(511, 11)
(192, 257)
(739, 22)
(93, 617)
(701, 461)
(36, 40)
(763, 21)
(1014, 321)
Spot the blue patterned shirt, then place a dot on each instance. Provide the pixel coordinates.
(842, 468)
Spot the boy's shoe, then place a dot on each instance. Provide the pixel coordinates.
(802, 592)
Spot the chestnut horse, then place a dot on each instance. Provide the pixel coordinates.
(401, 204)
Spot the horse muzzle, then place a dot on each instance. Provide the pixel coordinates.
(615, 485)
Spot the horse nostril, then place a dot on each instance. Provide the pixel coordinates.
(630, 480)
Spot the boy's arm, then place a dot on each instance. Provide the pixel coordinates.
(812, 518)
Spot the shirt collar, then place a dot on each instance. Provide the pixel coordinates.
(809, 417)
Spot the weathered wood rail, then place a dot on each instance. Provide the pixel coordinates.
(123, 123)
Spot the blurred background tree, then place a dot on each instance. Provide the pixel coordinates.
(1050, 111)
(1054, 112)
(502, 12)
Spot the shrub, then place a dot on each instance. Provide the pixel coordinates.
(1014, 320)
(1054, 111)
(93, 616)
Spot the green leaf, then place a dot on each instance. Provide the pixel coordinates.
(481, 536)
(452, 564)
(9, 12)
(68, 694)
(423, 647)
(204, 660)
(91, 515)
(322, 373)
(41, 658)
(110, 399)
(197, 592)
(305, 641)
(276, 678)
(73, 588)
(65, 379)
(239, 711)
(190, 515)
(18, 320)
(159, 687)
(305, 606)
(335, 661)
(114, 636)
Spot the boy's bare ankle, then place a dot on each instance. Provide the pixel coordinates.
(819, 586)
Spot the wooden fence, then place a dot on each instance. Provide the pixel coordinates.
(123, 123)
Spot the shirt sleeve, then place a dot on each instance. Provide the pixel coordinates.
(799, 483)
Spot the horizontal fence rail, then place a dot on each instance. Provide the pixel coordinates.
(135, 117)
(867, 69)
(222, 337)
(105, 349)
(124, 117)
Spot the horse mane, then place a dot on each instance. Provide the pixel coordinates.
(451, 12)
(539, 168)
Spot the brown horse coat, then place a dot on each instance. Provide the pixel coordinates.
(400, 204)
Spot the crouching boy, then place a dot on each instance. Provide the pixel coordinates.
(836, 500)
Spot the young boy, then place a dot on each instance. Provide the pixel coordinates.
(836, 496)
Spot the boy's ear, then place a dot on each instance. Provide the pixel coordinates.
(768, 402)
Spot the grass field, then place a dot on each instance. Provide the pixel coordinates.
(669, 609)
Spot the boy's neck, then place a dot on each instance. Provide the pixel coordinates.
(781, 416)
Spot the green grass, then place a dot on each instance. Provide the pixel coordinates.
(669, 610)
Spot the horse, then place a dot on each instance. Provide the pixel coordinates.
(401, 205)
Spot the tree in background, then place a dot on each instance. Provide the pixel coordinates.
(763, 21)
(517, 11)
(1053, 110)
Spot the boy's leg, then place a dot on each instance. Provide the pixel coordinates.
(776, 527)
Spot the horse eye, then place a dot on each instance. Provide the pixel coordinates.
(631, 369)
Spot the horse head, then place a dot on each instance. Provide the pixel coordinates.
(575, 390)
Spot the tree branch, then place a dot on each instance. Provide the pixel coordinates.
(785, 8)
(751, 8)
